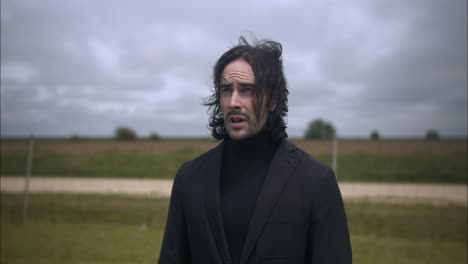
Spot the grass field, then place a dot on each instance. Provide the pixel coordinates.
(112, 229)
(359, 160)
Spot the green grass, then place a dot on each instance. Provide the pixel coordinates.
(391, 233)
(82, 229)
(109, 163)
(112, 229)
(448, 168)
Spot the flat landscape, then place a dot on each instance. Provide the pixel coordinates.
(91, 228)
(443, 161)
(113, 229)
(406, 193)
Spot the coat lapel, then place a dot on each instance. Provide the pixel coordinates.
(282, 165)
(212, 171)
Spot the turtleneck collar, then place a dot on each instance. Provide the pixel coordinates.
(255, 145)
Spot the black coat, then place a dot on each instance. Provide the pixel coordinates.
(299, 216)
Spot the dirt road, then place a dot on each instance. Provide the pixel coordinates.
(392, 192)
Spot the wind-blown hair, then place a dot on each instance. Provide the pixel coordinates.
(265, 59)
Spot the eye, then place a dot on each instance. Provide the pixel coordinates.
(247, 90)
(225, 89)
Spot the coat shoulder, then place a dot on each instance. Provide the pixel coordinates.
(308, 167)
(313, 179)
(306, 160)
(195, 165)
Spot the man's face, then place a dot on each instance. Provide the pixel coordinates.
(237, 91)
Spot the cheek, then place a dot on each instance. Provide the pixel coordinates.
(249, 106)
(222, 104)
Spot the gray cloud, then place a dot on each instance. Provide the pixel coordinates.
(86, 67)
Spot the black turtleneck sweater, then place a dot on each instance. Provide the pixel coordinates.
(245, 165)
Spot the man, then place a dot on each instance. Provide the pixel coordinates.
(256, 197)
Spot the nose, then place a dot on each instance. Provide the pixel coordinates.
(234, 101)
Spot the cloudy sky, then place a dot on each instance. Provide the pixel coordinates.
(86, 67)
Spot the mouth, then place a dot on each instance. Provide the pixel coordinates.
(237, 121)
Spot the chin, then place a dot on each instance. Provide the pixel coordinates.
(238, 136)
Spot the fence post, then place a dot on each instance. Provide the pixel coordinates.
(335, 155)
(28, 175)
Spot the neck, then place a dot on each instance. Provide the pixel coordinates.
(254, 145)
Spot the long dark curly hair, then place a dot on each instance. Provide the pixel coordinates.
(271, 91)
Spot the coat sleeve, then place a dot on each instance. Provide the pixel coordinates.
(328, 234)
(174, 248)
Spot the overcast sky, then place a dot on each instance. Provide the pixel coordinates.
(86, 67)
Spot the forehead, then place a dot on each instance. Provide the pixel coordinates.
(238, 70)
